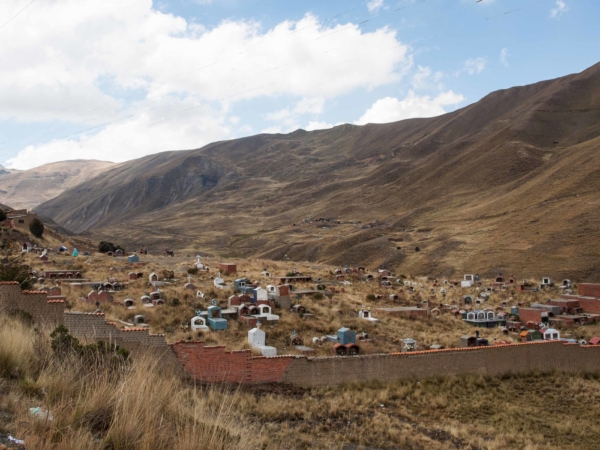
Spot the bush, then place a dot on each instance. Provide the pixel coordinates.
(36, 228)
(14, 270)
(193, 271)
(371, 297)
(417, 249)
(105, 247)
(318, 296)
(2, 215)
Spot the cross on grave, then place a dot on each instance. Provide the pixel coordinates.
(258, 324)
(189, 278)
(214, 302)
(97, 304)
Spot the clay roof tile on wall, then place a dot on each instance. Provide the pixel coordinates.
(55, 301)
(5, 283)
(134, 329)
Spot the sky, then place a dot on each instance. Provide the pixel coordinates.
(117, 80)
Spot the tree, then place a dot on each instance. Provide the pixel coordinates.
(36, 228)
(11, 269)
(105, 247)
(2, 215)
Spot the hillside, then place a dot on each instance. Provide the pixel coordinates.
(510, 183)
(29, 188)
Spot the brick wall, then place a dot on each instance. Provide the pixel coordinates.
(590, 305)
(92, 327)
(496, 360)
(588, 290)
(530, 315)
(44, 312)
(216, 365)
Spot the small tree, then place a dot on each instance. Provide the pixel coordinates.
(12, 269)
(36, 228)
(2, 215)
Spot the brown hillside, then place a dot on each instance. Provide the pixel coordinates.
(29, 188)
(510, 183)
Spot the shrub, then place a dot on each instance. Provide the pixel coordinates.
(371, 297)
(14, 270)
(2, 215)
(417, 249)
(105, 247)
(193, 271)
(36, 228)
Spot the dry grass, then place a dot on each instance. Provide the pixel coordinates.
(134, 406)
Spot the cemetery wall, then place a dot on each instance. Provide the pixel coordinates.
(495, 360)
(216, 365)
(590, 305)
(36, 303)
(92, 327)
(588, 289)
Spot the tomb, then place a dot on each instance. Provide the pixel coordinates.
(296, 340)
(408, 345)
(346, 343)
(198, 323)
(264, 313)
(189, 284)
(132, 276)
(566, 284)
(473, 341)
(257, 340)
(531, 335)
(219, 282)
(228, 268)
(152, 277)
(260, 294)
(118, 253)
(468, 281)
(298, 309)
(365, 314)
(546, 283)
(485, 319)
(215, 321)
(133, 259)
(139, 320)
(128, 303)
(550, 334)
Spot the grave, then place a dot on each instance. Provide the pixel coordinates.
(215, 321)
(198, 323)
(257, 340)
(365, 314)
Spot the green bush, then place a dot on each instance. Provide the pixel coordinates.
(2, 215)
(37, 228)
(193, 271)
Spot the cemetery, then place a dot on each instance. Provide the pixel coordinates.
(241, 312)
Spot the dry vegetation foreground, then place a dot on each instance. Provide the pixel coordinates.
(96, 404)
(102, 402)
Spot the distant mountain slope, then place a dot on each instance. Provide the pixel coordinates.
(508, 183)
(29, 188)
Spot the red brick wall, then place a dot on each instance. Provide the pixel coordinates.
(530, 315)
(590, 305)
(215, 364)
(589, 290)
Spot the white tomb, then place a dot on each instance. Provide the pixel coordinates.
(261, 294)
(198, 324)
(264, 313)
(257, 339)
(365, 314)
(468, 281)
(219, 282)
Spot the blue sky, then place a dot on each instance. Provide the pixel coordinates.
(120, 79)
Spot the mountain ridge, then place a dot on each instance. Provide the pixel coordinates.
(481, 164)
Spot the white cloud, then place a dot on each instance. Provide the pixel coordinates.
(82, 61)
(141, 135)
(424, 79)
(475, 65)
(504, 57)
(561, 8)
(374, 5)
(316, 125)
(391, 109)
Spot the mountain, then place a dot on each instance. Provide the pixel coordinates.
(508, 184)
(29, 188)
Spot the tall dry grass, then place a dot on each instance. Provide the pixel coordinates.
(130, 406)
